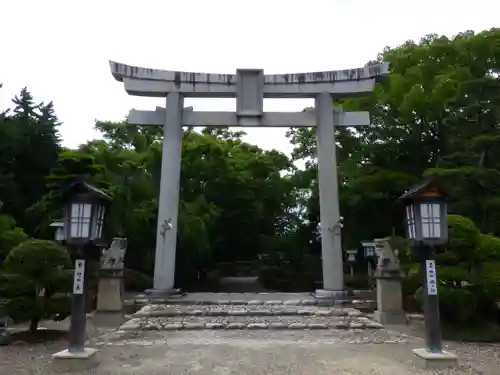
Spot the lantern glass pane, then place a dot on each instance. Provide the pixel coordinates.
(430, 214)
(410, 221)
(80, 220)
(99, 221)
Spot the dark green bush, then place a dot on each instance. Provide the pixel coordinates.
(468, 274)
(459, 306)
(359, 281)
(288, 272)
(137, 281)
(237, 268)
(10, 236)
(33, 273)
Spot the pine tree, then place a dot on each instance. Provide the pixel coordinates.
(29, 148)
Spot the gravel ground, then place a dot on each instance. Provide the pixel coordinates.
(21, 357)
(376, 352)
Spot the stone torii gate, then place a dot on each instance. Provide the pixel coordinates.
(249, 87)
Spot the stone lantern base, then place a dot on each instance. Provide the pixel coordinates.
(110, 310)
(432, 360)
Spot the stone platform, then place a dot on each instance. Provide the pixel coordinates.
(248, 311)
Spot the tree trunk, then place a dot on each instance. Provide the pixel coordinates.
(33, 325)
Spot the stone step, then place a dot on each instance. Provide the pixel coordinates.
(358, 304)
(246, 322)
(157, 310)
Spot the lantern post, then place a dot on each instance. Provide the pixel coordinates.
(426, 226)
(82, 226)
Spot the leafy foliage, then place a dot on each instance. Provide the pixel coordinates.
(34, 272)
(10, 235)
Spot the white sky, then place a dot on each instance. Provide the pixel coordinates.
(60, 49)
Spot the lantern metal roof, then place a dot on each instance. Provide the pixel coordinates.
(431, 186)
(81, 187)
(58, 223)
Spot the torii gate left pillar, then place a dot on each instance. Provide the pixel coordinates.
(249, 87)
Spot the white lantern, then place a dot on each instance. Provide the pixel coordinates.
(59, 232)
(84, 214)
(369, 248)
(351, 255)
(426, 216)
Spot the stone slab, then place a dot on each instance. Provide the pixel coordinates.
(431, 360)
(151, 311)
(361, 304)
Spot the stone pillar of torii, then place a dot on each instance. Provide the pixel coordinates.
(249, 87)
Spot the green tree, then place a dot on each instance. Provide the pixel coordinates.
(10, 236)
(29, 148)
(69, 166)
(34, 271)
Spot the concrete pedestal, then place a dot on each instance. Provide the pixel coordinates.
(110, 311)
(390, 317)
(109, 295)
(67, 362)
(431, 360)
(66, 354)
(389, 299)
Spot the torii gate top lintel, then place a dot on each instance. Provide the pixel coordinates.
(156, 82)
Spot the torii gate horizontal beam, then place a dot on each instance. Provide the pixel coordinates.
(157, 83)
(269, 119)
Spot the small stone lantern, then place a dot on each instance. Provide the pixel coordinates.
(370, 255)
(351, 260)
(59, 232)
